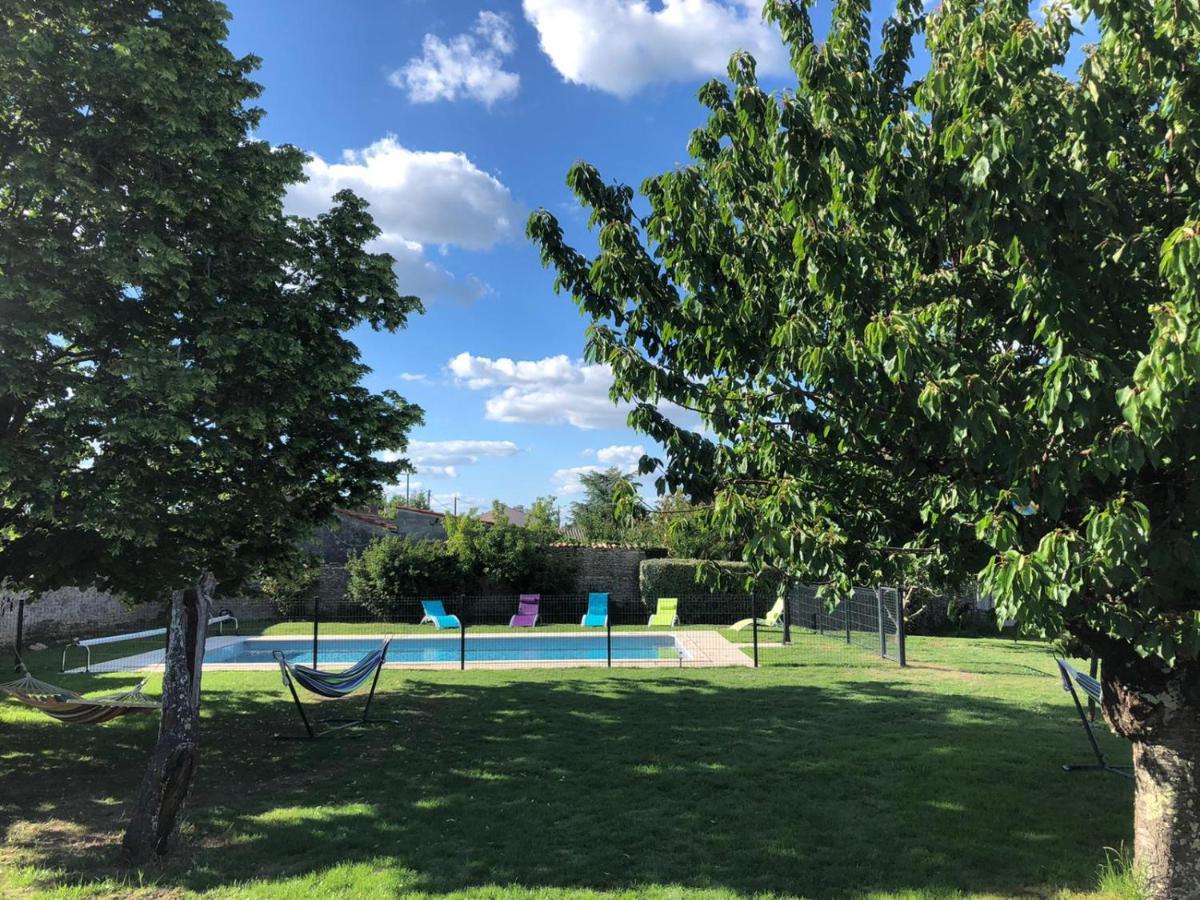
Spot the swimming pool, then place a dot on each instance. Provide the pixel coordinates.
(560, 647)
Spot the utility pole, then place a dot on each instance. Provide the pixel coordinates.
(456, 504)
(406, 476)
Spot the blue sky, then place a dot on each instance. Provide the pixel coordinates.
(455, 119)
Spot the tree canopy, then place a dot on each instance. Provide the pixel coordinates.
(597, 514)
(178, 401)
(943, 323)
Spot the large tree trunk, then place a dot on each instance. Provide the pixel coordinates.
(1158, 709)
(168, 777)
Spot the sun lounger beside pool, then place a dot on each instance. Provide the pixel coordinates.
(597, 611)
(527, 611)
(667, 613)
(435, 612)
(774, 614)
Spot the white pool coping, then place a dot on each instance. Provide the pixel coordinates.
(696, 648)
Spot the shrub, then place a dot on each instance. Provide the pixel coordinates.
(689, 577)
(476, 559)
(392, 567)
(289, 585)
(505, 557)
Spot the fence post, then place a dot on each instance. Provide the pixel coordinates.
(787, 615)
(608, 636)
(846, 613)
(462, 644)
(316, 620)
(882, 632)
(754, 625)
(900, 649)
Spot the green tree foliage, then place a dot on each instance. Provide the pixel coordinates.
(178, 405)
(388, 505)
(392, 568)
(290, 584)
(690, 532)
(945, 323)
(476, 558)
(597, 513)
(506, 557)
(542, 519)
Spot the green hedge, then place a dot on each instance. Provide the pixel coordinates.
(678, 578)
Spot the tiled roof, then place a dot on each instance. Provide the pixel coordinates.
(421, 512)
(369, 518)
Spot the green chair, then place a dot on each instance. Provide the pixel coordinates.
(774, 614)
(667, 613)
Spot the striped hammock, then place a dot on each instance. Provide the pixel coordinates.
(333, 684)
(75, 709)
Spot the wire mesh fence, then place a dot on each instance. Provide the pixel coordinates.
(533, 630)
(871, 619)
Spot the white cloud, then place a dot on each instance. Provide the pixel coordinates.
(468, 66)
(624, 456)
(481, 372)
(417, 198)
(554, 390)
(438, 471)
(427, 197)
(413, 376)
(448, 454)
(418, 276)
(442, 459)
(620, 46)
(565, 482)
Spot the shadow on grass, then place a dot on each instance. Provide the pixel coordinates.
(735, 781)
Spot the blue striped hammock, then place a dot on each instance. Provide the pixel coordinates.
(333, 685)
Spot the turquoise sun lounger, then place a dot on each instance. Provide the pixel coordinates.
(597, 611)
(436, 613)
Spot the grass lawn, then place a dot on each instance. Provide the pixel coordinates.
(843, 779)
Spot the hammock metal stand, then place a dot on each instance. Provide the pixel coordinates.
(334, 685)
(1090, 686)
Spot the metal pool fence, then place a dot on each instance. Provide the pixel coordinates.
(549, 631)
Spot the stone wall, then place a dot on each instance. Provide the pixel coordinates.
(334, 545)
(613, 570)
(87, 612)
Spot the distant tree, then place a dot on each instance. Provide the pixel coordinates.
(596, 514)
(419, 500)
(504, 556)
(178, 405)
(945, 322)
(542, 518)
(391, 504)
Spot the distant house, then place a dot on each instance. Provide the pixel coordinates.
(516, 515)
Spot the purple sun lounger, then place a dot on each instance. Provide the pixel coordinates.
(527, 612)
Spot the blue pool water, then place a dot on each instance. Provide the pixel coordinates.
(518, 648)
